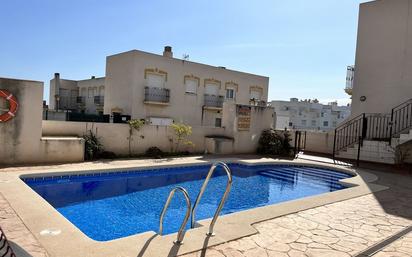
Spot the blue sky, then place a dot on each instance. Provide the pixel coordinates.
(303, 46)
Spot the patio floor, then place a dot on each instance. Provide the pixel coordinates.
(376, 223)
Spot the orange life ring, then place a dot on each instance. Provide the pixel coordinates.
(11, 112)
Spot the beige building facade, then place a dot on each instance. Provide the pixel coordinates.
(84, 96)
(383, 74)
(162, 89)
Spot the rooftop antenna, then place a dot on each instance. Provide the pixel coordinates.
(185, 57)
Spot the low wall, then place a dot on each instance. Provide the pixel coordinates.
(319, 142)
(21, 139)
(61, 149)
(115, 137)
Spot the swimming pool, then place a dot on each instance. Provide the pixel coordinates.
(112, 205)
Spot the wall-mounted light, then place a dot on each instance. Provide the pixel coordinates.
(362, 98)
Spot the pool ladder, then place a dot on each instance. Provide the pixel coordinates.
(192, 211)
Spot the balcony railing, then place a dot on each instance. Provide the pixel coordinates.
(214, 101)
(81, 100)
(99, 100)
(66, 102)
(156, 94)
(256, 102)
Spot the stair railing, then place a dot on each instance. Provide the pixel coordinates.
(401, 118)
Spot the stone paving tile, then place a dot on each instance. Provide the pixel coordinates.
(17, 232)
(341, 229)
(400, 248)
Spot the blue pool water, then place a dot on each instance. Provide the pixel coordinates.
(115, 205)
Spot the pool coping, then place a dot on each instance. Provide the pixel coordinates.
(38, 215)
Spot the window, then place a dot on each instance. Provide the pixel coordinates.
(218, 122)
(254, 94)
(211, 89)
(90, 92)
(334, 124)
(191, 86)
(154, 80)
(303, 122)
(83, 92)
(101, 90)
(290, 124)
(230, 93)
(325, 123)
(313, 123)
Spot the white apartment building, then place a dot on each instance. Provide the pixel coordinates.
(84, 96)
(308, 114)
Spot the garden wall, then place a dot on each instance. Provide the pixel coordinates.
(115, 137)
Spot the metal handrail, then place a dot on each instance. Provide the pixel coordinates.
(182, 227)
(222, 201)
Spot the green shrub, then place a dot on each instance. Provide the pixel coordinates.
(181, 133)
(154, 152)
(274, 142)
(93, 147)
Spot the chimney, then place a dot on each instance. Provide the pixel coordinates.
(93, 77)
(168, 52)
(56, 90)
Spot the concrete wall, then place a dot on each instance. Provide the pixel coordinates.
(21, 138)
(125, 82)
(319, 142)
(383, 58)
(114, 137)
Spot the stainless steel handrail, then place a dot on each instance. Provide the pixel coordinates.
(182, 227)
(222, 201)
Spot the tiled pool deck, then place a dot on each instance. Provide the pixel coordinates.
(355, 227)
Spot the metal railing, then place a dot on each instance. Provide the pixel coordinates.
(259, 103)
(5, 248)
(401, 118)
(66, 103)
(373, 126)
(349, 134)
(213, 101)
(222, 201)
(156, 94)
(99, 100)
(300, 142)
(81, 100)
(366, 126)
(179, 239)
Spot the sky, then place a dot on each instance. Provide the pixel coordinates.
(302, 46)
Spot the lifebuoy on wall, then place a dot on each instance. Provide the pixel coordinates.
(13, 106)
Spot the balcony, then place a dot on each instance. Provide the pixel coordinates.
(213, 102)
(66, 102)
(81, 100)
(256, 102)
(99, 100)
(156, 95)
